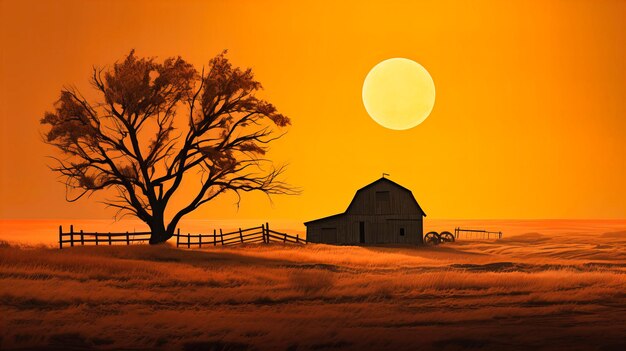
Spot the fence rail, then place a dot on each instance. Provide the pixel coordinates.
(260, 234)
(476, 234)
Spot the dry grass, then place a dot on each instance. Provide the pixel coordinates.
(541, 287)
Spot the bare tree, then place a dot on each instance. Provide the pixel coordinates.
(157, 122)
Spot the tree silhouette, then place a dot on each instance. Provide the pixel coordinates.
(157, 122)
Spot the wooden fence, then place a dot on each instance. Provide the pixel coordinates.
(86, 238)
(260, 234)
(476, 234)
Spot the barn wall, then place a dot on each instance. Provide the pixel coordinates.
(318, 232)
(378, 230)
(386, 230)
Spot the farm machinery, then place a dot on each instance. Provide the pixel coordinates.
(435, 238)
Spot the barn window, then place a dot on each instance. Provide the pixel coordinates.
(382, 196)
(401, 231)
(383, 202)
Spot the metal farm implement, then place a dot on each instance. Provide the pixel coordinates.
(434, 238)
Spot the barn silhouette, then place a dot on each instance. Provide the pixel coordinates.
(383, 212)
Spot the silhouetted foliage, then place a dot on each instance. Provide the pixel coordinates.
(155, 123)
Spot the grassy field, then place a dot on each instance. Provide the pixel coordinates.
(547, 285)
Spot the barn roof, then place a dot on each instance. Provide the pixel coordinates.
(381, 180)
(325, 218)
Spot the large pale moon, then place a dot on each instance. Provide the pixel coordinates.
(398, 93)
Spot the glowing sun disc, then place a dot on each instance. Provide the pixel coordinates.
(398, 93)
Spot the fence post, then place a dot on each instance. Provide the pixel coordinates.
(221, 237)
(263, 233)
(200, 240)
(96, 235)
(60, 237)
(214, 238)
(188, 241)
(177, 237)
(499, 235)
(297, 238)
(267, 234)
(285, 238)
(110, 243)
(127, 238)
(71, 235)
(240, 235)
(82, 238)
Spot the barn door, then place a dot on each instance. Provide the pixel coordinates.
(362, 232)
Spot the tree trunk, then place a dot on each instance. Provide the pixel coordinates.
(159, 234)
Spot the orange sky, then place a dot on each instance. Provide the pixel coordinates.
(529, 119)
